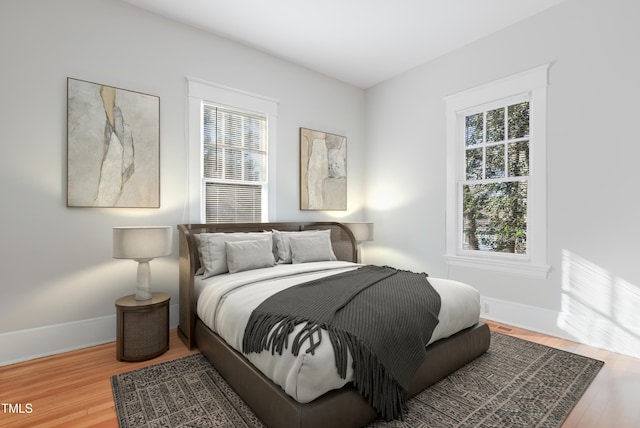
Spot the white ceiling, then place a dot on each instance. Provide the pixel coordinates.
(361, 42)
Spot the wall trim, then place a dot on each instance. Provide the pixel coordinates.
(550, 322)
(24, 345)
(524, 316)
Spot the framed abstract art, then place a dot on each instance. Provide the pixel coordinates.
(323, 171)
(113, 147)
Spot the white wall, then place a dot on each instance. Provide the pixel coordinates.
(593, 291)
(58, 280)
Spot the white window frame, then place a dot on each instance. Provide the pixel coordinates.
(200, 92)
(534, 83)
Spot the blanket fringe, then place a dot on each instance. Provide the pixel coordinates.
(370, 377)
(270, 332)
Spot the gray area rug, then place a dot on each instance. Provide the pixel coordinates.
(515, 384)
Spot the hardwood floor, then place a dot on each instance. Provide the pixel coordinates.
(71, 389)
(74, 389)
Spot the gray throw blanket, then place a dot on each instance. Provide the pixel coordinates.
(383, 316)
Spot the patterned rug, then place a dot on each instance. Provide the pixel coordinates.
(515, 384)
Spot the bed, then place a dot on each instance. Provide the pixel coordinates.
(275, 405)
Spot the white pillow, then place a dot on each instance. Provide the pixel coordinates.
(246, 255)
(283, 248)
(311, 248)
(213, 251)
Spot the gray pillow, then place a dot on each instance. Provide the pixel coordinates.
(246, 255)
(282, 246)
(213, 252)
(311, 248)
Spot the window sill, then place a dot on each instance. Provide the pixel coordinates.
(512, 267)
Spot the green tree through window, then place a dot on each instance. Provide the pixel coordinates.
(495, 185)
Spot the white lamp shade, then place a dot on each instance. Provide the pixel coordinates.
(142, 242)
(362, 231)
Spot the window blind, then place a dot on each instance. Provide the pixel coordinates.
(234, 145)
(234, 164)
(233, 203)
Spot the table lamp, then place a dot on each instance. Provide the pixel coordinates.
(362, 231)
(142, 244)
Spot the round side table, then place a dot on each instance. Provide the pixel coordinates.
(142, 327)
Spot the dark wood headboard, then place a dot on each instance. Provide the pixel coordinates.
(342, 239)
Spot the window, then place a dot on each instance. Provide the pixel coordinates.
(234, 146)
(230, 146)
(496, 201)
(495, 179)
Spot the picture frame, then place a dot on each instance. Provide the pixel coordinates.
(323, 170)
(113, 147)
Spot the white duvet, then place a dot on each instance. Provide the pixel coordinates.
(226, 301)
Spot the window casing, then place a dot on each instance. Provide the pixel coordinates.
(496, 175)
(231, 152)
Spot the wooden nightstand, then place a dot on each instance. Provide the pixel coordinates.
(142, 327)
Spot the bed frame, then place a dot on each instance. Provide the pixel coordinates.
(344, 407)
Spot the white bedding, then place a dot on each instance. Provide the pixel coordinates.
(226, 301)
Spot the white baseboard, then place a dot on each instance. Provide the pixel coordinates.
(523, 316)
(593, 331)
(39, 342)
